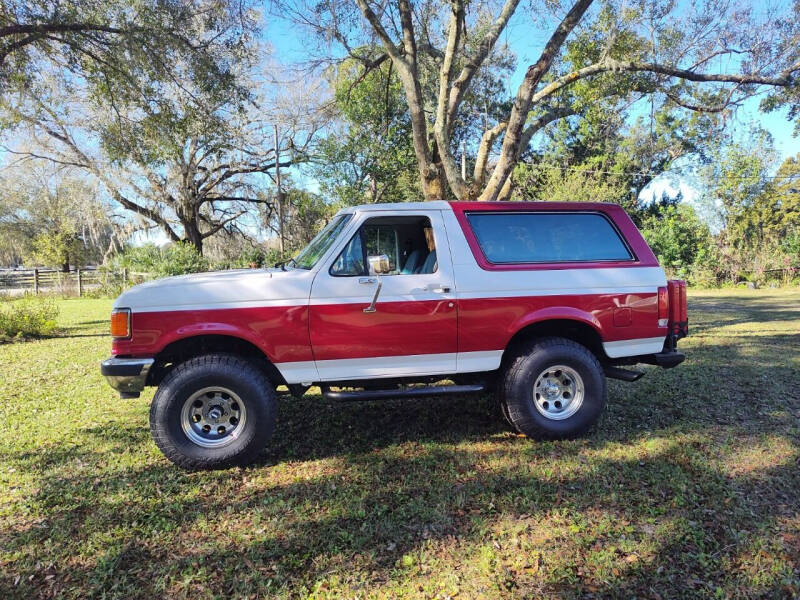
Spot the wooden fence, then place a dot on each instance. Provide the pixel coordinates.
(77, 282)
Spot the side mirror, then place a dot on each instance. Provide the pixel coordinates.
(379, 264)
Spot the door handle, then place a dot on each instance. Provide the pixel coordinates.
(439, 288)
(367, 280)
(371, 308)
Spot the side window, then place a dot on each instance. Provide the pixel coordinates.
(547, 237)
(389, 246)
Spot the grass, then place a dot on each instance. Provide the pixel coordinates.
(689, 486)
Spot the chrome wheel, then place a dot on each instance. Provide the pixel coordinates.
(213, 417)
(558, 392)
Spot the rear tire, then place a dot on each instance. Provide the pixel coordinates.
(553, 388)
(213, 411)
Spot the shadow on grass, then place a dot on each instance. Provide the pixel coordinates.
(372, 510)
(375, 491)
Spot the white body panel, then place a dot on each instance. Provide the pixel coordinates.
(242, 288)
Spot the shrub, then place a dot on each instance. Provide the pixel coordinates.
(256, 256)
(175, 259)
(27, 318)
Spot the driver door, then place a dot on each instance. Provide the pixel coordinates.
(385, 306)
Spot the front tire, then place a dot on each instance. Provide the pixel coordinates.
(553, 388)
(213, 411)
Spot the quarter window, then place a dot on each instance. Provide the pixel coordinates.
(510, 237)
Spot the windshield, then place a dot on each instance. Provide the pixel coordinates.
(308, 256)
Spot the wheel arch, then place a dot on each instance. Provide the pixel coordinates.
(186, 348)
(584, 331)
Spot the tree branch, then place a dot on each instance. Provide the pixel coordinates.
(485, 46)
(43, 28)
(484, 149)
(442, 127)
(522, 103)
(221, 224)
(30, 39)
(377, 27)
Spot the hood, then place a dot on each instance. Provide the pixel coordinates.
(219, 289)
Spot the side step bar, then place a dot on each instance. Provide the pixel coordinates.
(623, 374)
(417, 392)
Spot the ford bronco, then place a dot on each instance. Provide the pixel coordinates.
(537, 302)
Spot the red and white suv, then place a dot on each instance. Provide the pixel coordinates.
(537, 301)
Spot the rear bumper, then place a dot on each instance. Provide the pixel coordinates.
(667, 360)
(126, 375)
(669, 356)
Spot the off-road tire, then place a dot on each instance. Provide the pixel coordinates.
(516, 390)
(232, 372)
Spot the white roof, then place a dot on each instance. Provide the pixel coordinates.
(397, 206)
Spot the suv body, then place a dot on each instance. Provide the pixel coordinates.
(397, 294)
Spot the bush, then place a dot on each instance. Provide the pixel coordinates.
(680, 240)
(27, 318)
(257, 257)
(174, 259)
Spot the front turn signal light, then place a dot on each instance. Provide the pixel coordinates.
(121, 323)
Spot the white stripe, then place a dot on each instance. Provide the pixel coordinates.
(287, 303)
(634, 347)
(474, 282)
(430, 364)
(535, 293)
(298, 372)
(475, 362)
(389, 366)
(386, 366)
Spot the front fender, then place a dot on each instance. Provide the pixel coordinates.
(281, 333)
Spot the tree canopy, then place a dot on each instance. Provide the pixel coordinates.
(703, 57)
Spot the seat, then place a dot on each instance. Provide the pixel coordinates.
(412, 263)
(429, 266)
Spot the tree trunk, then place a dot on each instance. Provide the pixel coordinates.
(192, 235)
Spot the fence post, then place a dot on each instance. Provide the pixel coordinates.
(124, 276)
(36, 281)
(80, 284)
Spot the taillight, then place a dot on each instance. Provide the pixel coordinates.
(678, 314)
(121, 323)
(663, 307)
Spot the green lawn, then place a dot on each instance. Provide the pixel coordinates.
(689, 486)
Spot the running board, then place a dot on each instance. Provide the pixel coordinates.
(623, 374)
(417, 392)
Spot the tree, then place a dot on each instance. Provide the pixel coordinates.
(369, 156)
(53, 217)
(191, 164)
(605, 154)
(676, 235)
(58, 248)
(157, 101)
(756, 211)
(672, 50)
(121, 49)
(304, 215)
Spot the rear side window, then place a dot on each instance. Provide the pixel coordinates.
(540, 237)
